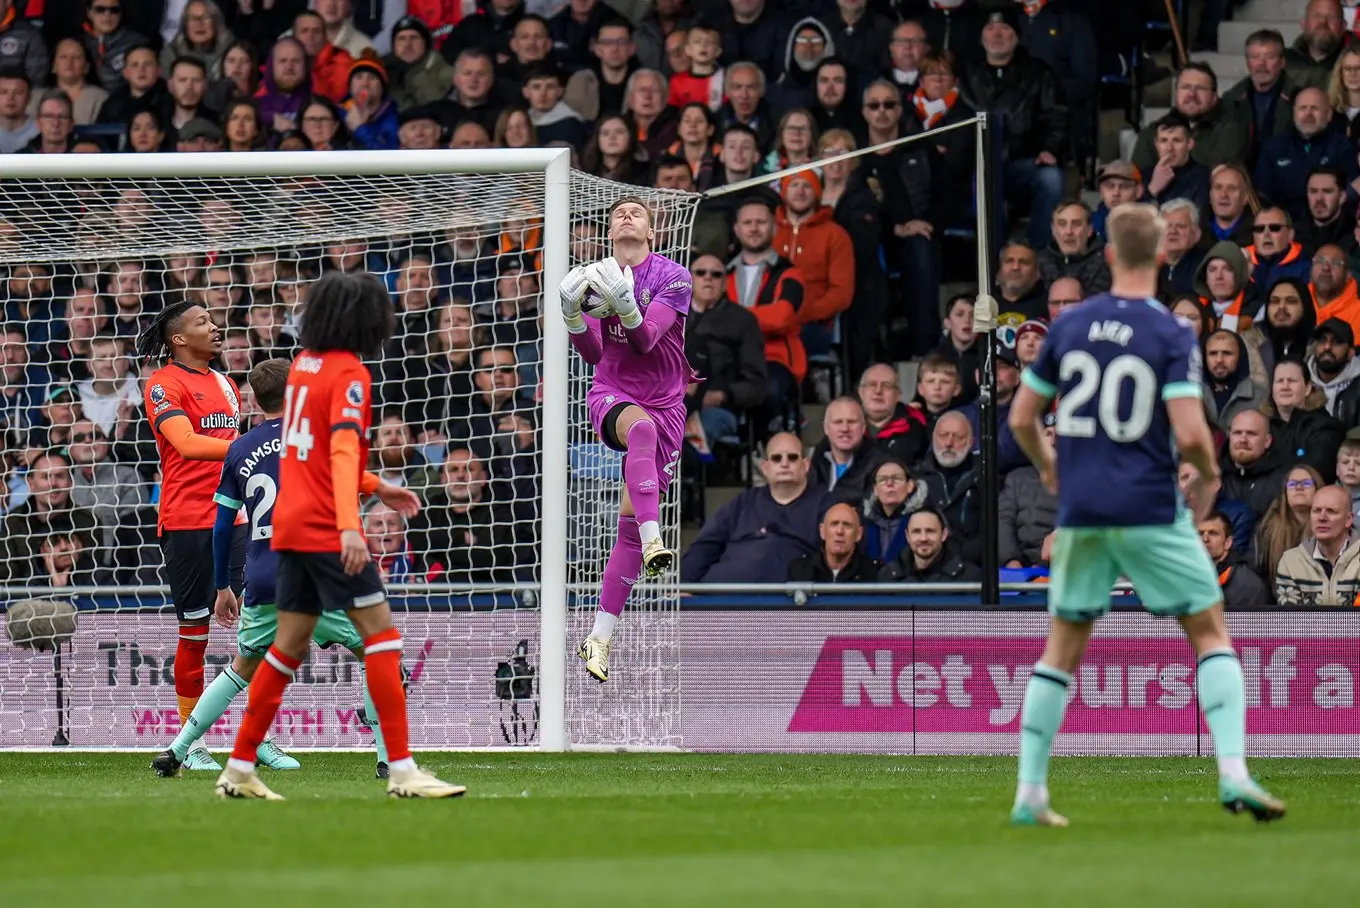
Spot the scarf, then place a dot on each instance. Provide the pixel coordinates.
(1032, 7)
(930, 113)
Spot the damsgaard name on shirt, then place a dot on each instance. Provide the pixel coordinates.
(273, 446)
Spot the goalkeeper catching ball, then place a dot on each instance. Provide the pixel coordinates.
(626, 317)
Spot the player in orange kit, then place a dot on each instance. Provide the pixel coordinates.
(193, 410)
(324, 564)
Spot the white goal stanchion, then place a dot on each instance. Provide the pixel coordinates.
(479, 407)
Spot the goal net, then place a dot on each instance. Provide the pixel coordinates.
(479, 408)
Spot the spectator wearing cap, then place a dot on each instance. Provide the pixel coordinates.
(1027, 514)
(894, 496)
(1221, 281)
(1304, 432)
(1228, 385)
(199, 134)
(899, 431)
(1119, 183)
(22, 46)
(1029, 337)
(330, 64)
(285, 86)
(843, 461)
(1176, 175)
(598, 87)
(1267, 92)
(1182, 250)
(1314, 141)
(1013, 82)
(1334, 288)
(839, 559)
(807, 234)
(370, 114)
(419, 128)
(932, 554)
(58, 412)
(724, 345)
(1230, 197)
(860, 35)
(108, 40)
(1220, 131)
(419, 73)
(938, 106)
(1275, 254)
(1329, 219)
(544, 85)
(17, 127)
(1333, 367)
(1074, 250)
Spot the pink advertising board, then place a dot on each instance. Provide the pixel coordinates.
(788, 680)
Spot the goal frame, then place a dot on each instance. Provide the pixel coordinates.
(555, 164)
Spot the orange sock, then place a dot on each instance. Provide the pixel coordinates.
(382, 667)
(266, 693)
(189, 653)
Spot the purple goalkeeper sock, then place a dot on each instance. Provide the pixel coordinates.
(639, 474)
(623, 567)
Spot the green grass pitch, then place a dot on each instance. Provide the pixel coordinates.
(694, 830)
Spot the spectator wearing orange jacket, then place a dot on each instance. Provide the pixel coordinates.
(807, 235)
(761, 280)
(330, 64)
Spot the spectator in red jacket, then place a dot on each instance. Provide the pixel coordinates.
(899, 430)
(330, 64)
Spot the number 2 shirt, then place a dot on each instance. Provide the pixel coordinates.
(327, 393)
(250, 478)
(1111, 363)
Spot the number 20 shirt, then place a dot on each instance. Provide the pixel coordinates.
(1111, 363)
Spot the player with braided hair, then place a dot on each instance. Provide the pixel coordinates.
(194, 411)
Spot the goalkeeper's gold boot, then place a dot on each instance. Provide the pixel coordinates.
(656, 558)
(236, 784)
(596, 655)
(417, 783)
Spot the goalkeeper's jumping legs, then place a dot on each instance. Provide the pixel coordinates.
(643, 489)
(620, 573)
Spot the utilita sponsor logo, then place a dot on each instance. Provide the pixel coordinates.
(130, 665)
(1125, 685)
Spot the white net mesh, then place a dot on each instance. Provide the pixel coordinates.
(457, 418)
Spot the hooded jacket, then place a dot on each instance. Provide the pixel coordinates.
(821, 251)
(797, 87)
(1088, 266)
(885, 536)
(274, 101)
(1267, 269)
(1337, 384)
(775, 303)
(1238, 314)
(1272, 344)
(1238, 391)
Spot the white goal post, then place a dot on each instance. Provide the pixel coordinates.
(79, 216)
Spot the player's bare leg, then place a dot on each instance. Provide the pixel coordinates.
(294, 636)
(1042, 716)
(1222, 697)
(382, 663)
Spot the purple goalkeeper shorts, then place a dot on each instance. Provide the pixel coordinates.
(670, 429)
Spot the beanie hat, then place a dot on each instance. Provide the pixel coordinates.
(809, 175)
(413, 24)
(368, 61)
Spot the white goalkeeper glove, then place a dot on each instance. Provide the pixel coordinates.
(616, 286)
(573, 292)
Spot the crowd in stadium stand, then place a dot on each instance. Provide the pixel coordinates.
(1258, 183)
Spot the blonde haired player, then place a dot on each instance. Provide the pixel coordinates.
(626, 317)
(1126, 374)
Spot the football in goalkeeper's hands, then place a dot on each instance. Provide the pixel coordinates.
(596, 306)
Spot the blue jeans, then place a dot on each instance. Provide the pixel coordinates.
(1042, 186)
(718, 422)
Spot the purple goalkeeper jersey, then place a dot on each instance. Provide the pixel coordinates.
(658, 378)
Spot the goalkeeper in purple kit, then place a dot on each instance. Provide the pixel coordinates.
(626, 316)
